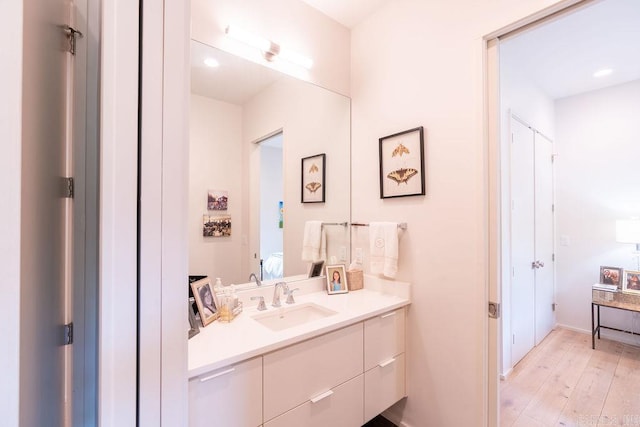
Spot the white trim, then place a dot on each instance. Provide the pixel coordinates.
(493, 235)
(118, 213)
(163, 238)
(10, 174)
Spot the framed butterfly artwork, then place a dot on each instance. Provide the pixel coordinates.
(313, 174)
(402, 164)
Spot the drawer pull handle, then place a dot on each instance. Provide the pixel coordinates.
(387, 362)
(219, 374)
(384, 316)
(319, 397)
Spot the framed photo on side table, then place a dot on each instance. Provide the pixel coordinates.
(313, 179)
(205, 300)
(336, 279)
(402, 164)
(611, 276)
(631, 282)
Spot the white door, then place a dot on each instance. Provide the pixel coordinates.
(532, 277)
(44, 215)
(544, 229)
(522, 241)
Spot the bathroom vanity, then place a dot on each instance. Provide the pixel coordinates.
(334, 360)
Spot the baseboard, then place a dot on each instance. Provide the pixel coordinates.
(506, 374)
(622, 337)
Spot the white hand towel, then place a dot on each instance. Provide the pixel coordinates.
(314, 242)
(383, 242)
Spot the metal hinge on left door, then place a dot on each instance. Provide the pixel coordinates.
(72, 34)
(68, 333)
(68, 187)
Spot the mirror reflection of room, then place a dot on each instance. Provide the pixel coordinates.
(239, 112)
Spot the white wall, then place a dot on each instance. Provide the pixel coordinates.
(215, 156)
(313, 121)
(290, 23)
(10, 174)
(420, 63)
(597, 183)
(519, 96)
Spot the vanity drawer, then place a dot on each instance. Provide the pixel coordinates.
(299, 372)
(230, 396)
(340, 407)
(384, 385)
(384, 337)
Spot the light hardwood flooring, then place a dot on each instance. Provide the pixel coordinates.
(563, 382)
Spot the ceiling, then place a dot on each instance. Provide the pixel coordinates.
(347, 12)
(562, 55)
(235, 80)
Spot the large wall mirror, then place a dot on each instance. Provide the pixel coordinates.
(250, 129)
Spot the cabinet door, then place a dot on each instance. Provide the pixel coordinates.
(383, 337)
(230, 397)
(384, 385)
(339, 407)
(297, 373)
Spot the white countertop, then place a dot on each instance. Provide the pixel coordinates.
(221, 344)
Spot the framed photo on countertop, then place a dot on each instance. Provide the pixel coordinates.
(336, 279)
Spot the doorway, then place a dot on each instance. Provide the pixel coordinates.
(530, 246)
(585, 231)
(271, 207)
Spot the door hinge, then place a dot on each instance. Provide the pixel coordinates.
(72, 34)
(68, 333)
(553, 208)
(553, 257)
(553, 306)
(494, 310)
(68, 187)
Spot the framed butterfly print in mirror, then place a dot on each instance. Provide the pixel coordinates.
(313, 174)
(402, 164)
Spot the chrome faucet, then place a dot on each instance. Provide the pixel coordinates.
(276, 293)
(254, 277)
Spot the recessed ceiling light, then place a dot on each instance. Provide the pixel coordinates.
(603, 72)
(210, 62)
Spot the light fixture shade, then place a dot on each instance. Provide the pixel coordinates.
(248, 38)
(628, 231)
(269, 49)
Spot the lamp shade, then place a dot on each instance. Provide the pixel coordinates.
(628, 231)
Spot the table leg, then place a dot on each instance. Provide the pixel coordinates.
(593, 330)
(598, 322)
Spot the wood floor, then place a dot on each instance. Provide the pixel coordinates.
(563, 382)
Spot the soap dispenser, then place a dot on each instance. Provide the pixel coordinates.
(217, 288)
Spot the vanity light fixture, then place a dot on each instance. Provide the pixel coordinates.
(603, 72)
(269, 49)
(210, 62)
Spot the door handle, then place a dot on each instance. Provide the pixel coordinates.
(537, 264)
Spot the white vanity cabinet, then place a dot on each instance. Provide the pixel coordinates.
(384, 362)
(341, 378)
(230, 396)
(339, 407)
(310, 374)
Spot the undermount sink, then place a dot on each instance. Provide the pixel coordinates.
(281, 318)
